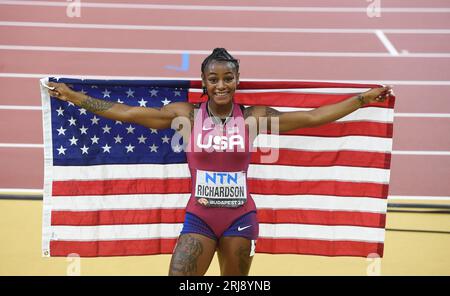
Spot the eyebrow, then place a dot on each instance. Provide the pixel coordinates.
(226, 73)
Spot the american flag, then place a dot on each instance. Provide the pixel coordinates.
(118, 189)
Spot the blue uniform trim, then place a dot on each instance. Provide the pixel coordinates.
(193, 224)
(244, 226)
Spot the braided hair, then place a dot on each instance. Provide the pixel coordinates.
(220, 55)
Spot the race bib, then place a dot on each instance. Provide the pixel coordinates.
(221, 189)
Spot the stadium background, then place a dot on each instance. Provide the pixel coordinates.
(406, 44)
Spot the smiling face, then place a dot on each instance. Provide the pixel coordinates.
(220, 79)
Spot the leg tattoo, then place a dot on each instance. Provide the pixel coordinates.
(185, 257)
(243, 254)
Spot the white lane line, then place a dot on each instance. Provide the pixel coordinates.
(415, 197)
(231, 8)
(192, 52)
(12, 107)
(180, 28)
(21, 191)
(423, 115)
(56, 75)
(219, 29)
(395, 152)
(427, 153)
(241, 53)
(412, 115)
(195, 52)
(20, 145)
(416, 31)
(389, 46)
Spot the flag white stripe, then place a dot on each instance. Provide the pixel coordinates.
(48, 169)
(121, 172)
(120, 202)
(116, 232)
(175, 201)
(155, 231)
(320, 202)
(319, 232)
(337, 173)
(272, 172)
(311, 143)
(373, 114)
(363, 114)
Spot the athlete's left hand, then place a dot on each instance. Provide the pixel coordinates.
(379, 94)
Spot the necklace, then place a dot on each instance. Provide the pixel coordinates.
(217, 119)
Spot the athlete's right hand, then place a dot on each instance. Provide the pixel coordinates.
(61, 91)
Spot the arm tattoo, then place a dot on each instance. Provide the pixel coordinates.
(186, 255)
(191, 115)
(193, 112)
(248, 112)
(270, 112)
(95, 105)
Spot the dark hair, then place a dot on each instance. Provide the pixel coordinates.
(221, 55)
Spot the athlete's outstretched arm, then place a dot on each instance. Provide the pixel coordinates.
(293, 120)
(148, 117)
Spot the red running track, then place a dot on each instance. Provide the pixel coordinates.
(421, 83)
(272, 19)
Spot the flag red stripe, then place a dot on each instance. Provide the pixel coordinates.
(263, 245)
(318, 247)
(341, 129)
(336, 188)
(286, 99)
(115, 217)
(258, 186)
(299, 100)
(112, 248)
(318, 217)
(115, 187)
(290, 84)
(326, 158)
